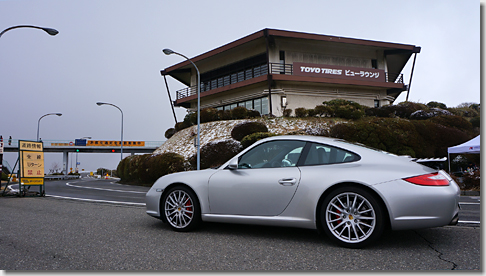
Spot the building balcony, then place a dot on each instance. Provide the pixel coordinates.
(258, 71)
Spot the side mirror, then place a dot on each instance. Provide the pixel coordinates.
(233, 165)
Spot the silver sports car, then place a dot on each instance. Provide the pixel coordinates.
(349, 191)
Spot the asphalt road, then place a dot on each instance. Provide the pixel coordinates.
(52, 233)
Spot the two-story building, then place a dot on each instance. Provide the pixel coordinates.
(271, 70)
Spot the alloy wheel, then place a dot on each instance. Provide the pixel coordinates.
(350, 217)
(179, 209)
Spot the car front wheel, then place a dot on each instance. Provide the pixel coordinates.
(352, 217)
(180, 209)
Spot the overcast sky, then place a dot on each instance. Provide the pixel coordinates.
(110, 50)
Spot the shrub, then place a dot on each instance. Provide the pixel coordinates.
(254, 114)
(159, 165)
(252, 138)
(216, 153)
(453, 121)
(311, 112)
(224, 114)
(382, 111)
(245, 128)
(476, 121)
(179, 126)
(190, 119)
(433, 112)
(169, 133)
(123, 169)
(405, 109)
(323, 110)
(239, 112)
(287, 112)
(345, 109)
(301, 112)
(208, 115)
(436, 104)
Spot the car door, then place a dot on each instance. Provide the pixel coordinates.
(262, 185)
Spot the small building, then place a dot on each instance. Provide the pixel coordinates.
(272, 70)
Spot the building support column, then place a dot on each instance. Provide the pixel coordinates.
(411, 75)
(65, 162)
(269, 74)
(170, 99)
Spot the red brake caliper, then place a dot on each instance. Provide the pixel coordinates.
(188, 206)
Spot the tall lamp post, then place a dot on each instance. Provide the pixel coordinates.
(38, 122)
(100, 104)
(198, 143)
(47, 30)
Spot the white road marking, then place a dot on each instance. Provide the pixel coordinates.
(466, 221)
(97, 200)
(102, 189)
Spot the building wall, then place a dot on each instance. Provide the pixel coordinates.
(327, 53)
(299, 94)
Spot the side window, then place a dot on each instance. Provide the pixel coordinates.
(320, 154)
(274, 154)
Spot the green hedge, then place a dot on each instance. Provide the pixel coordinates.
(423, 138)
(147, 168)
(246, 128)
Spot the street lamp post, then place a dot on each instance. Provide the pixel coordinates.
(198, 143)
(47, 30)
(38, 122)
(100, 104)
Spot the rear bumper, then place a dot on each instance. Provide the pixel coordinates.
(412, 206)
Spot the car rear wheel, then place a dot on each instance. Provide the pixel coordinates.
(352, 217)
(180, 209)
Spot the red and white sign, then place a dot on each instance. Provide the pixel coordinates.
(338, 72)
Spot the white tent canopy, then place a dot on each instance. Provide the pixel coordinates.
(471, 146)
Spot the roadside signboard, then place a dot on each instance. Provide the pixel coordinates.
(31, 156)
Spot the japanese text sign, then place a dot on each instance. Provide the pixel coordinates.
(32, 162)
(339, 72)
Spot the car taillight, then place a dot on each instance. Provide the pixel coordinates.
(432, 179)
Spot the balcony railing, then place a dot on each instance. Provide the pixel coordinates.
(253, 72)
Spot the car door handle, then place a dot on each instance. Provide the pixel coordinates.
(287, 181)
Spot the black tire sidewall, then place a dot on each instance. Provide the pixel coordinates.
(378, 209)
(196, 219)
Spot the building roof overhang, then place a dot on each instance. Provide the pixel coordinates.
(396, 53)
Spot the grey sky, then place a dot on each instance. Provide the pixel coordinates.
(110, 50)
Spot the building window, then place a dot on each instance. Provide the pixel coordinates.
(249, 104)
(377, 103)
(282, 62)
(283, 101)
(260, 105)
(374, 64)
(264, 106)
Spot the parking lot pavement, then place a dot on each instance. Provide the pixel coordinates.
(54, 234)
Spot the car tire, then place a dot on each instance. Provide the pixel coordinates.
(180, 209)
(352, 217)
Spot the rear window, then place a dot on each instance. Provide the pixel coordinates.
(320, 154)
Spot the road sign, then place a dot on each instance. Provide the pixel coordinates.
(31, 156)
